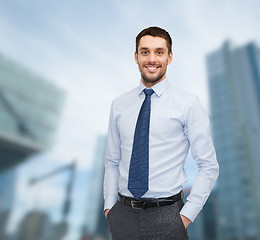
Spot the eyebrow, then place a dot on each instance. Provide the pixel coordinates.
(144, 48)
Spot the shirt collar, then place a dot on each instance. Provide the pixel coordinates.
(158, 88)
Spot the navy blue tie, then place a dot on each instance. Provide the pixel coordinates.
(139, 166)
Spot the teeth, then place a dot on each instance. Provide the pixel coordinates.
(151, 68)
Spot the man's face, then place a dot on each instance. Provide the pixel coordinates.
(152, 59)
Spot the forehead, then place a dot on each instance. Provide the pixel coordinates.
(152, 42)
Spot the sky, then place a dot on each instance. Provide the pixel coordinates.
(87, 49)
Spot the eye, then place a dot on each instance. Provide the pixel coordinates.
(159, 52)
(144, 52)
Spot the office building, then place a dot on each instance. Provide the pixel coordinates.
(7, 188)
(209, 217)
(35, 226)
(30, 109)
(7, 195)
(96, 222)
(234, 85)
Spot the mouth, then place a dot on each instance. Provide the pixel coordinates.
(151, 68)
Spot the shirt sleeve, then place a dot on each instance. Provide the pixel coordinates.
(112, 159)
(203, 152)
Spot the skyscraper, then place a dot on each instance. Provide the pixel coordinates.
(30, 108)
(7, 189)
(96, 221)
(234, 85)
(35, 226)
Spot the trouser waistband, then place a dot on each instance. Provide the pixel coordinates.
(143, 203)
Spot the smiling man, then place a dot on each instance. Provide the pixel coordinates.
(150, 132)
(152, 59)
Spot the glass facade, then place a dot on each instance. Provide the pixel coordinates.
(233, 75)
(96, 223)
(7, 189)
(30, 108)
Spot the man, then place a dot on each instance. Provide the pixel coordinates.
(150, 131)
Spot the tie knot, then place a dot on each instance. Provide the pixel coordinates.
(148, 92)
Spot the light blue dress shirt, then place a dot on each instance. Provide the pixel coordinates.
(178, 122)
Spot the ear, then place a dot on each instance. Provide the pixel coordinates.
(170, 58)
(136, 57)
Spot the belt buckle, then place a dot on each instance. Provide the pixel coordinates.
(133, 206)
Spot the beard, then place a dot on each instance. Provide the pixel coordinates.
(152, 78)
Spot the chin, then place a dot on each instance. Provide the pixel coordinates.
(152, 80)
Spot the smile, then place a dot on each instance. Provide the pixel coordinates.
(152, 68)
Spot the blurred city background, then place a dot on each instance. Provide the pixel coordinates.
(61, 65)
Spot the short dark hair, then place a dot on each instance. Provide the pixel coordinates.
(155, 32)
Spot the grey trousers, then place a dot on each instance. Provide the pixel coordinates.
(158, 223)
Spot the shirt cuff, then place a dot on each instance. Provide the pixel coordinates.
(190, 210)
(110, 202)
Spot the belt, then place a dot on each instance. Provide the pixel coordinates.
(144, 203)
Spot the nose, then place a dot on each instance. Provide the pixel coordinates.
(152, 57)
